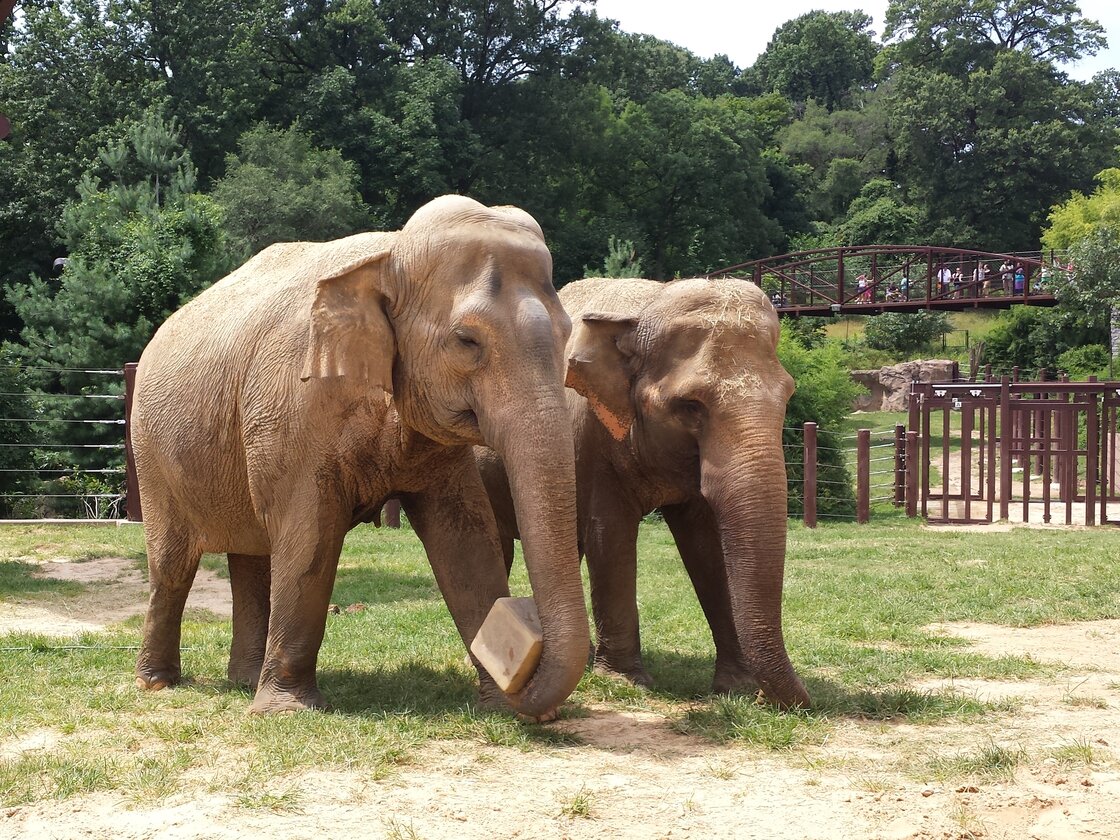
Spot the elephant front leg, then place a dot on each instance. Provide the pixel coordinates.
(696, 532)
(250, 580)
(610, 543)
(304, 561)
(456, 525)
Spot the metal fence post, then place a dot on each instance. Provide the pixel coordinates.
(1005, 433)
(863, 476)
(899, 464)
(809, 476)
(131, 485)
(912, 474)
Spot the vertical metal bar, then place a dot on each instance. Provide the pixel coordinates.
(1092, 459)
(924, 462)
(945, 465)
(899, 464)
(966, 460)
(991, 442)
(809, 476)
(863, 476)
(912, 474)
(1005, 424)
(1047, 431)
(131, 484)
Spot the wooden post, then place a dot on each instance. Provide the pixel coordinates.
(391, 514)
(863, 476)
(809, 476)
(955, 376)
(899, 465)
(912, 474)
(131, 484)
(1004, 446)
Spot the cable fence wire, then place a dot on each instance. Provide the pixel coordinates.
(61, 442)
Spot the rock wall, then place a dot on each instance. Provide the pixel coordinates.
(888, 388)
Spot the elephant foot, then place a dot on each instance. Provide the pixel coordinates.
(733, 679)
(636, 675)
(271, 699)
(156, 679)
(244, 674)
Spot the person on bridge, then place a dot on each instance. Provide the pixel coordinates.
(981, 280)
(1005, 276)
(1020, 278)
(945, 279)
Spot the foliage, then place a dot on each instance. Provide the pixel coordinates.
(1031, 338)
(1081, 215)
(16, 402)
(819, 55)
(621, 261)
(824, 396)
(1082, 362)
(901, 332)
(809, 332)
(141, 242)
(280, 188)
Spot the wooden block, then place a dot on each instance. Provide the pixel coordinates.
(509, 642)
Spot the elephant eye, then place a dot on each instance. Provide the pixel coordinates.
(688, 411)
(467, 339)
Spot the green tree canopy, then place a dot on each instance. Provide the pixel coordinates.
(819, 55)
(279, 187)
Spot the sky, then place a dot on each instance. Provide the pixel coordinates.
(742, 30)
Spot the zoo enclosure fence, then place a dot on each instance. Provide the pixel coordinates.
(117, 498)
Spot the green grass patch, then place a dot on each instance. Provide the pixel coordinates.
(859, 601)
(990, 762)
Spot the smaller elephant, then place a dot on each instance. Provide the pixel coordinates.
(678, 406)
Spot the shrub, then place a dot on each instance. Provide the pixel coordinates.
(1031, 337)
(902, 333)
(1083, 362)
(824, 396)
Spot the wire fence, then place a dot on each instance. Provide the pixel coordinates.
(62, 442)
(62, 454)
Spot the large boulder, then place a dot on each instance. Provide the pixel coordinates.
(888, 388)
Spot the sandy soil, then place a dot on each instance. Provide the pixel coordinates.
(633, 777)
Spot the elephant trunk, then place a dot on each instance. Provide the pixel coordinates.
(743, 477)
(535, 443)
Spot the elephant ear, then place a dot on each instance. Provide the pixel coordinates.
(599, 368)
(350, 333)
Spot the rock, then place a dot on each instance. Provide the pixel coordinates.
(888, 388)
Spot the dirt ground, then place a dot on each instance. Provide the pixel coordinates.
(633, 777)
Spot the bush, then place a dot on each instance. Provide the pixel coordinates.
(903, 333)
(1032, 337)
(1083, 362)
(824, 395)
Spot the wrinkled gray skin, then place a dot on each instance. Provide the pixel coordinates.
(286, 403)
(678, 405)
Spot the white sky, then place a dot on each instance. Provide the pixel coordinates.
(742, 30)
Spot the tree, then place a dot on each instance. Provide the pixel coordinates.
(16, 456)
(141, 242)
(621, 261)
(959, 36)
(689, 222)
(903, 333)
(819, 55)
(1082, 215)
(279, 187)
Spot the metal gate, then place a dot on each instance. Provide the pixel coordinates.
(1042, 452)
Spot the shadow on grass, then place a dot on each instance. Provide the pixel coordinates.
(18, 578)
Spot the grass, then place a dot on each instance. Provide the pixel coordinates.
(858, 602)
(991, 762)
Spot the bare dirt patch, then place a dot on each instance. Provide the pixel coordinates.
(115, 590)
(632, 776)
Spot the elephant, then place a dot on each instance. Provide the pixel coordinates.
(289, 401)
(677, 402)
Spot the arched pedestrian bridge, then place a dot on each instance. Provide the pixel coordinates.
(869, 279)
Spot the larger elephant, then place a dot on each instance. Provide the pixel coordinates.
(678, 405)
(286, 403)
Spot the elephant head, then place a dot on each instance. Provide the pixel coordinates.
(693, 382)
(456, 317)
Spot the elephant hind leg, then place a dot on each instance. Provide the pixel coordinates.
(172, 563)
(250, 578)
